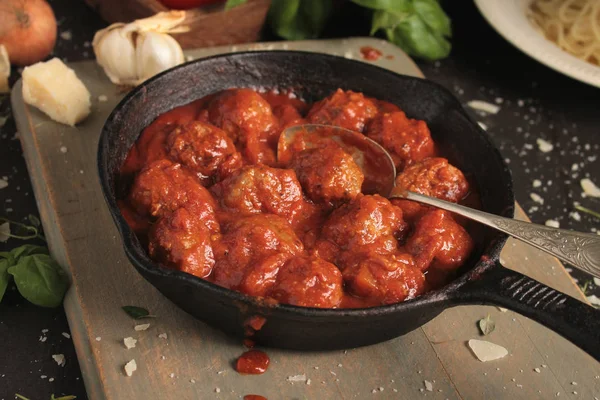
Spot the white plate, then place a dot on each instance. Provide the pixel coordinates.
(509, 19)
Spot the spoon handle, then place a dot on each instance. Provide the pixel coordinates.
(582, 250)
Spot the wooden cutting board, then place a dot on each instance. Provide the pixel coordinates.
(194, 361)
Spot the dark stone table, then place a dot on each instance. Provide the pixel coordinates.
(535, 103)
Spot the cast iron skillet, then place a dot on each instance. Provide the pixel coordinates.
(314, 76)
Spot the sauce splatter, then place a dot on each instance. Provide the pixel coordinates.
(389, 57)
(253, 362)
(370, 53)
(254, 397)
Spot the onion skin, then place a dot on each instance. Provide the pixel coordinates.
(27, 30)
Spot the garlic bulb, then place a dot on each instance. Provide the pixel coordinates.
(131, 53)
(4, 70)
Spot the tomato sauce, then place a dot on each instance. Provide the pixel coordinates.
(252, 362)
(254, 397)
(211, 190)
(370, 53)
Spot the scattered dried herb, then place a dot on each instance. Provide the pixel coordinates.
(137, 312)
(69, 397)
(486, 325)
(588, 211)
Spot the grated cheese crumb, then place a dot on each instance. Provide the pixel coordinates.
(162, 336)
(66, 35)
(60, 359)
(544, 145)
(552, 223)
(102, 98)
(502, 309)
(141, 327)
(296, 378)
(130, 368)
(594, 300)
(65, 334)
(3, 183)
(129, 342)
(308, 381)
(537, 198)
(172, 375)
(98, 338)
(536, 183)
(575, 215)
(217, 390)
(63, 149)
(537, 370)
(428, 386)
(484, 106)
(589, 188)
(482, 125)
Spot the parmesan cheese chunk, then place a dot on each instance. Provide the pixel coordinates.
(487, 351)
(130, 367)
(4, 70)
(55, 89)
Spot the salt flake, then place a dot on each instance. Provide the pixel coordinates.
(487, 351)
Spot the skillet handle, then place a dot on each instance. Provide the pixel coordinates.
(576, 321)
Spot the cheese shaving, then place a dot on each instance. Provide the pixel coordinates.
(589, 187)
(484, 106)
(4, 232)
(487, 351)
(130, 367)
(544, 145)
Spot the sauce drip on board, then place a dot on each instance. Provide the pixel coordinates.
(254, 397)
(252, 362)
(370, 53)
(204, 190)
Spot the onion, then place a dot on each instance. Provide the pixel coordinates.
(27, 30)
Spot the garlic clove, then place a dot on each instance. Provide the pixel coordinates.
(115, 52)
(4, 70)
(155, 53)
(163, 22)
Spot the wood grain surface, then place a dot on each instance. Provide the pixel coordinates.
(195, 361)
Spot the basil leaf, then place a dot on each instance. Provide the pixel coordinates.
(40, 280)
(386, 20)
(299, 19)
(433, 15)
(4, 277)
(417, 39)
(5, 254)
(386, 5)
(486, 325)
(26, 250)
(137, 312)
(234, 3)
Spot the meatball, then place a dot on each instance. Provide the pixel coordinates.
(328, 174)
(308, 282)
(347, 109)
(434, 177)
(181, 240)
(204, 149)
(256, 189)
(164, 186)
(251, 252)
(248, 120)
(385, 279)
(407, 140)
(287, 115)
(369, 223)
(439, 242)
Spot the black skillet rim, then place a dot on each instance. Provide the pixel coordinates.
(144, 263)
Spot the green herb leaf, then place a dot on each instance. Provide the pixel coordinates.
(386, 5)
(417, 39)
(137, 312)
(34, 220)
(486, 325)
(4, 277)
(40, 279)
(386, 20)
(299, 19)
(433, 15)
(234, 3)
(26, 250)
(69, 397)
(21, 396)
(588, 211)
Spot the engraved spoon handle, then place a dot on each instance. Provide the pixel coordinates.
(582, 250)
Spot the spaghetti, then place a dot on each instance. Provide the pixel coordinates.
(573, 25)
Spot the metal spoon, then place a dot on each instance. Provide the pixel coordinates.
(582, 250)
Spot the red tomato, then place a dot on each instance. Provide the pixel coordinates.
(186, 4)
